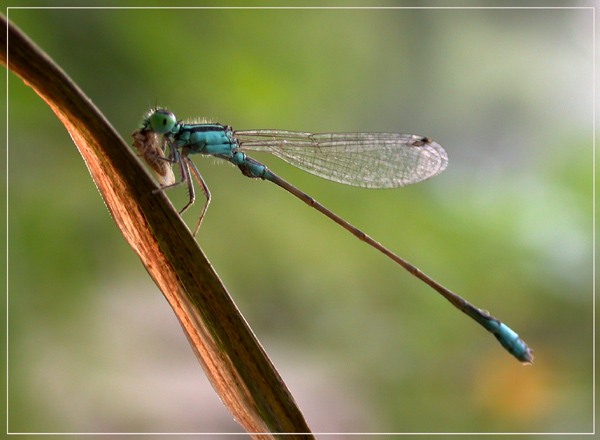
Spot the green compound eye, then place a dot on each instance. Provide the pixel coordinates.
(162, 121)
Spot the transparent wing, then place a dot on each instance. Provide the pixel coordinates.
(370, 160)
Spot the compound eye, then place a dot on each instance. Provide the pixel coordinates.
(162, 121)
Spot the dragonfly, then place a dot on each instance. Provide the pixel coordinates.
(369, 160)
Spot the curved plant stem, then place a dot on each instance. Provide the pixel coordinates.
(232, 358)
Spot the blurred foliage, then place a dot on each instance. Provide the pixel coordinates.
(363, 346)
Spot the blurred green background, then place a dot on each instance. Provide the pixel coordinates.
(362, 345)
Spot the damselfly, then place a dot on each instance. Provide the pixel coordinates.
(370, 160)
